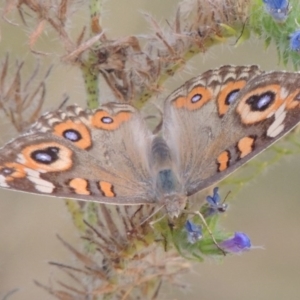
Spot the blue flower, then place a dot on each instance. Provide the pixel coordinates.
(295, 41)
(215, 204)
(240, 242)
(194, 232)
(278, 9)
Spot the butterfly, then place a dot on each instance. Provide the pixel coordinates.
(212, 125)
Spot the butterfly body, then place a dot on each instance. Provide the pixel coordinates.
(169, 189)
(212, 125)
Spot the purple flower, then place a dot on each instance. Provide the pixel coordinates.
(240, 242)
(215, 204)
(194, 232)
(295, 41)
(278, 9)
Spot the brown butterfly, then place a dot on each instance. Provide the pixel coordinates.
(212, 125)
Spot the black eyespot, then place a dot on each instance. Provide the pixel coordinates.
(7, 171)
(72, 135)
(261, 102)
(231, 97)
(107, 120)
(196, 98)
(45, 156)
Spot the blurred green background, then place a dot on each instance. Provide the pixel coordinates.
(267, 208)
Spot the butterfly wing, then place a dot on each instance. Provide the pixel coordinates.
(226, 116)
(96, 155)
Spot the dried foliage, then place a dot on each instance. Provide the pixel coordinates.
(124, 259)
(21, 101)
(52, 12)
(135, 67)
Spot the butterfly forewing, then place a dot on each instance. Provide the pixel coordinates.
(92, 155)
(222, 123)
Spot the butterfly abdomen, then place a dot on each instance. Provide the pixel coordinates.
(160, 153)
(162, 166)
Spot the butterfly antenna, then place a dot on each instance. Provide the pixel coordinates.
(242, 32)
(154, 213)
(226, 197)
(10, 293)
(65, 100)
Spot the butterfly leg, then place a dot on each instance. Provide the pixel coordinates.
(154, 221)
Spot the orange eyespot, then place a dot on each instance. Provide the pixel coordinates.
(47, 157)
(228, 95)
(102, 120)
(75, 132)
(12, 171)
(260, 104)
(195, 99)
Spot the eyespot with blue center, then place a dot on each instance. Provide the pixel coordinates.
(231, 97)
(261, 102)
(107, 120)
(45, 156)
(196, 98)
(72, 135)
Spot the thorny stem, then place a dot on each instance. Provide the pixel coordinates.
(91, 79)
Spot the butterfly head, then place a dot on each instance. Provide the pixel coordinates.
(169, 192)
(174, 204)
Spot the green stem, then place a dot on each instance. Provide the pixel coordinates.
(90, 77)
